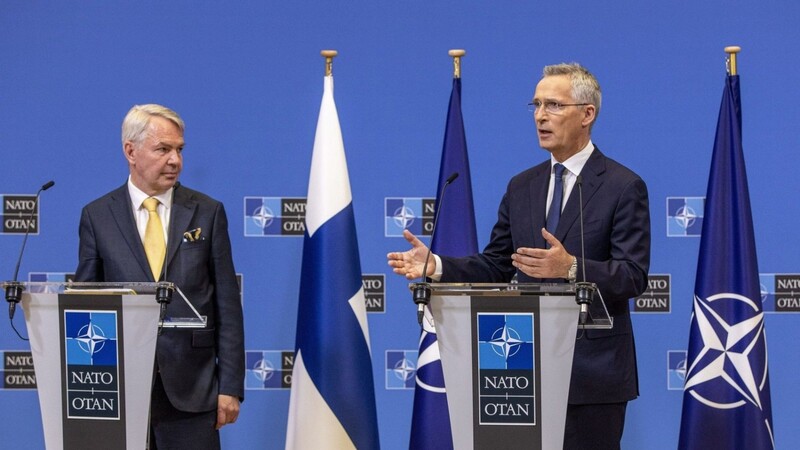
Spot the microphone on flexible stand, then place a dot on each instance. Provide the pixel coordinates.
(584, 291)
(14, 288)
(422, 290)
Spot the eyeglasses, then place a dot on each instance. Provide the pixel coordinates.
(551, 107)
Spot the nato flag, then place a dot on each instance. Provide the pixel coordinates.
(455, 236)
(726, 399)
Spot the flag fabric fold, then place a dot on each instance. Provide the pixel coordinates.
(455, 236)
(726, 400)
(332, 402)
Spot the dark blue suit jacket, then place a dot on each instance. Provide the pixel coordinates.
(617, 241)
(195, 365)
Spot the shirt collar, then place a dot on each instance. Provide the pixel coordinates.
(576, 162)
(138, 196)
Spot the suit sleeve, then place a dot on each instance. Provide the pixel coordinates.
(230, 323)
(90, 264)
(493, 265)
(623, 274)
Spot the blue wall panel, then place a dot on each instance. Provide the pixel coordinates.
(247, 79)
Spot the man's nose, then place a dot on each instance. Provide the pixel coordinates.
(174, 157)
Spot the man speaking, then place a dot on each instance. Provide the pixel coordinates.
(537, 236)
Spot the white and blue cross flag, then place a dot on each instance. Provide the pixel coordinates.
(332, 403)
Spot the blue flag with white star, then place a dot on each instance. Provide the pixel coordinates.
(726, 399)
(455, 236)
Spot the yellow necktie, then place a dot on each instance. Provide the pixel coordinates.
(154, 245)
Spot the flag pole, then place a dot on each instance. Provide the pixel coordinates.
(457, 54)
(732, 50)
(329, 55)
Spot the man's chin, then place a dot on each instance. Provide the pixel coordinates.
(169, 183)
(545, 144)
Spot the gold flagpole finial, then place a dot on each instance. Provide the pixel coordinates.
(732, 50)
(457, 54)
(329, 55)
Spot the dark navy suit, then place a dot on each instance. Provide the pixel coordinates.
(617, 241)
(194, 365)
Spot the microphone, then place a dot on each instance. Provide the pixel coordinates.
(164, 288)
(14, 288)
(422, 290)
(584, 291)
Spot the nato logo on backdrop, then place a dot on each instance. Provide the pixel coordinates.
(414, 214)
(17, 370)
(780, 292)
(274, 216)
(50, 277)
(374, 292)
(685, 216)
(401, 369)
(676, 369)
(268, 369)
(506, 384)
(92, 364)
(657, 298)
(20, 214)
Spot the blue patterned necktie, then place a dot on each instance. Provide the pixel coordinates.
(558, 196)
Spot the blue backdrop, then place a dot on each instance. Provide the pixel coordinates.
(247, 79)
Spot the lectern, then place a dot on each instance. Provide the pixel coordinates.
(506, 353)
(93, 347)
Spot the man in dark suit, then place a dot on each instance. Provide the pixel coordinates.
(199, 380)
(617, 241)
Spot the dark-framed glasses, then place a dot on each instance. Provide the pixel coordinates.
(550, 106)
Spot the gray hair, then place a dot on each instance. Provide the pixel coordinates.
(585, 88)
(137, 119)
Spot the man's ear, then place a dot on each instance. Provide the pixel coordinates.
(589, 115)
(129, 150)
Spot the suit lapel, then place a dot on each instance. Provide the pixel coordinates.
(592, 179)
(183, 209)
(122, 212)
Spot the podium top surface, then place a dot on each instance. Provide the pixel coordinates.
(72, 287)
(495, 288)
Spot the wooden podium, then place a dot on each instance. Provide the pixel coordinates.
(506, 353)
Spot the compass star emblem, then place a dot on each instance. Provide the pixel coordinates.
(91, 338)
(404, 369)
(263, 370)
(505, 342)
(404, 217)
(725, 374)
(263, 216)
(685, 216)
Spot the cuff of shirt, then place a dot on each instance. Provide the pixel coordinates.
(437, 273)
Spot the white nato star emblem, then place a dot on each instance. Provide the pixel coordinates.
(505, 342)
(404, 217)
(263, 216)
(725, 357)
(91, 338)
(404, 369)
(680, 370)
(263, 370)
(685, 216)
